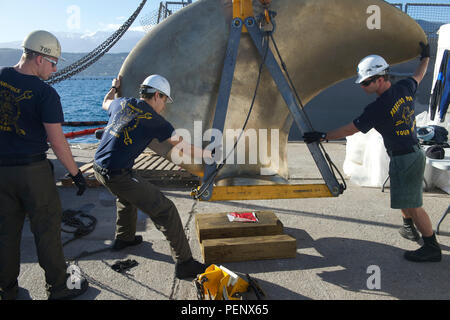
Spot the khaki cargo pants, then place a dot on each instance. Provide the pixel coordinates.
(134, 192)
(30, 190)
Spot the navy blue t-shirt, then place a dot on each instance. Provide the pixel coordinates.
(392, 115)
(132, 125)
(26, 102)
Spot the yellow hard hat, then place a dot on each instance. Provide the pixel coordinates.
(43, 42)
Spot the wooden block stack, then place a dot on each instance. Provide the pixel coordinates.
(225, 241)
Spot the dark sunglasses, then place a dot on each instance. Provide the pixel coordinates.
(367, 82)
(53, 62)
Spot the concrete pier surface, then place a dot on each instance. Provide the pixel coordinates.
(348, 247)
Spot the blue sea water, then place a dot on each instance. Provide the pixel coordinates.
(81, 99)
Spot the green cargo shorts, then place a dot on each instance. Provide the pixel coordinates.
(406, 174)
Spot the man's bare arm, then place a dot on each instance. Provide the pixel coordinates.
(342, 132)
(190, 149)
(60, 146)
(421, 70)
(424, 60)
(112, 93)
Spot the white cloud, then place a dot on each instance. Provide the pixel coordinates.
(109, 26)
(114, 26)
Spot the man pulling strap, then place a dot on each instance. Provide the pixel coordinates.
(392, 115)
(132, 125)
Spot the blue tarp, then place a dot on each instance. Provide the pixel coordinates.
(440, 99)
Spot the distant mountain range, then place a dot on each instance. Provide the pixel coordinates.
(75, 46)
(107, 66)
(78, 42)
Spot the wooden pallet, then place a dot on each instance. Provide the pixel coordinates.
(217, 226)
(280, 246)
(224, 241)
(150, 166)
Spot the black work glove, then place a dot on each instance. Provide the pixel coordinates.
(310, 137)
(79, 181)
(99, 133)
(425, 50)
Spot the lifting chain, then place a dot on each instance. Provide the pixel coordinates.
(97, 53)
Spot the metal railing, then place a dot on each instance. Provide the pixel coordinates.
(166, 8)
(398, 5)
(430, 16)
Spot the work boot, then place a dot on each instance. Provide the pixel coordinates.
(189, 269)
(408, 230)
(429, 252)
(65, 293)
(121, 244)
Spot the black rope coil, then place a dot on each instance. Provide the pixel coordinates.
(70, 219)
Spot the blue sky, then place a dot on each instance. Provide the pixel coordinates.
(19, 17)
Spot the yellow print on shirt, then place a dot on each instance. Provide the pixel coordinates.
(397, 106)
(399, 103)
(407, 117)
(10, 108)
(122, 122)
(10, 87)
